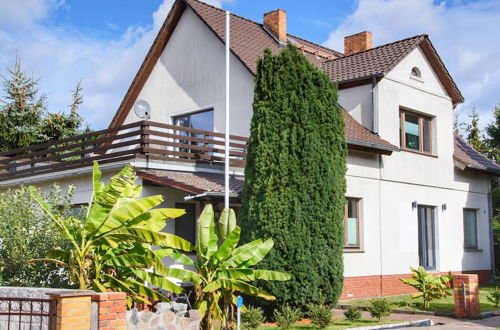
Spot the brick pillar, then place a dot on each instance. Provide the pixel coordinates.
(466, 291)
(72, 310)
(111, 310)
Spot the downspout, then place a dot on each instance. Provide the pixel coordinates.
(374, 105)
(490, 230)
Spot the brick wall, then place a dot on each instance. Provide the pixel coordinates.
(388, 285)
(72, 311)
(111, 310)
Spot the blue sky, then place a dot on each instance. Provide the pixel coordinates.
(104, 42)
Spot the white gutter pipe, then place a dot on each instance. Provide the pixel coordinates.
(226, 156)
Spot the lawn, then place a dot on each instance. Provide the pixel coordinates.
(340, 324)
(446, 305)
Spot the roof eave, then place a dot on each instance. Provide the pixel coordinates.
(371, 147)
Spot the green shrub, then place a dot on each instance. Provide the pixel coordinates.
(295, 178)
(252, 318)
(380, 307)
(286, 316)
(352, 313)
(494, 297)
(26, 232)
(429, 287)
(320, 313)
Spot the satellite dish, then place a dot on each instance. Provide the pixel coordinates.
(142, 109)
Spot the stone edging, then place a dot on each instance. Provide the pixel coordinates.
(406, 324)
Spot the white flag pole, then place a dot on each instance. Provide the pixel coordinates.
(226, 156)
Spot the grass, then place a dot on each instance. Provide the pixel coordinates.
(446, 305)
(339, 324)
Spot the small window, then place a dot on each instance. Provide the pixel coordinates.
(415, 73)
(351, 223)
(415, 131)
(185, 226)
(470, 228)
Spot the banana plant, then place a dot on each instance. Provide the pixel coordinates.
(111, 246)
(223, 270)
(429, 287)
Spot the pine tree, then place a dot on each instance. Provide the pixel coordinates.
(295, 177)
(23, 109)
(24, 118)
(493, 135)
(473, 133)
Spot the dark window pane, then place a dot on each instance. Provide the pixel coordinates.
(470, 229)
(412, 132)
(426, 237)
(426, 134)
(198, 120)
(185, 225)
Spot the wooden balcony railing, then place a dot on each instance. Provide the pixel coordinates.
(145, 140)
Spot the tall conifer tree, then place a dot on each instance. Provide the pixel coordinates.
(295, 177)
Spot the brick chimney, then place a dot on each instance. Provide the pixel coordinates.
(275, 22)
(357, 43)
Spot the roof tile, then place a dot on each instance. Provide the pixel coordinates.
(468, 156)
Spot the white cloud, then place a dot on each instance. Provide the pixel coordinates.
(62, 56)
(464, 34)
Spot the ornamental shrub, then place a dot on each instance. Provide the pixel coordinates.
(320, 315)
(295, 178)
(252, 317)
(286, 316)
(494, 297)
(352, 313)
(380, 307)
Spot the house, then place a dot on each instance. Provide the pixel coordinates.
(417, 194)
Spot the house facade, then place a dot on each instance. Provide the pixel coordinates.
(417, 194)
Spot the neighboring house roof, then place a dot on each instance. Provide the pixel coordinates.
(194, 183)
(380, 60)
(468, 158)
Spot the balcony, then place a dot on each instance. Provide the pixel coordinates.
(144, 141)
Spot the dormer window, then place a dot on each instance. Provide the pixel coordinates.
(415, 73)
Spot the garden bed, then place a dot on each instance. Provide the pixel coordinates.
(336, 324)
(441, 306)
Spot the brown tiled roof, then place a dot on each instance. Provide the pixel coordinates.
(249, 38)
(195, 183)
(377, 60)
(470, 158)
(358, 136)
(380, 60)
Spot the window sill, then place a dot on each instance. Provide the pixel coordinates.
(416, 78)
(418, 152)
(472, 250)
(353, 250)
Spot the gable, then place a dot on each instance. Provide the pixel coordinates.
(190, 75)
(428, 79)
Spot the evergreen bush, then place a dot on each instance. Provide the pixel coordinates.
(252, 317)
(286, 316)
(352, 313)
(295, 178)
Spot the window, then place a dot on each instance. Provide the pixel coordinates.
(470, 228)
(203, 120)
(186, 224)
(415, 72)
(426, 237)
(351, 223)
(415, 131)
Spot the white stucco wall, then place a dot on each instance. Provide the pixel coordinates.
(357, 101)
(191, 74)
